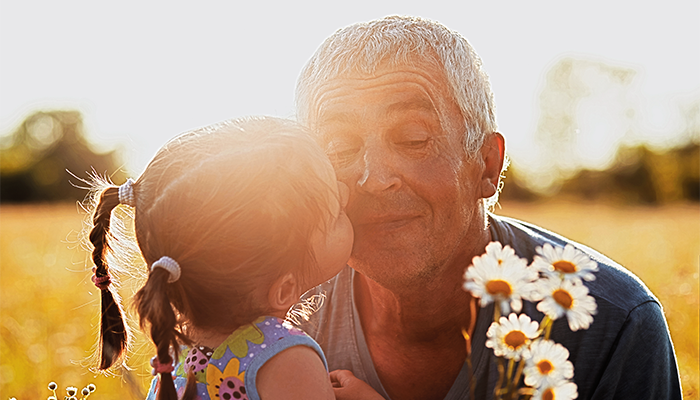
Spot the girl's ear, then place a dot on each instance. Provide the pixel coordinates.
(284, 293)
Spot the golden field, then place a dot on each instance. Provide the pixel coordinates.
(49, 308)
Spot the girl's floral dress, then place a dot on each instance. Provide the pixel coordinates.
(229, 371)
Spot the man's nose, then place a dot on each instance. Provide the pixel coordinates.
(379, 172)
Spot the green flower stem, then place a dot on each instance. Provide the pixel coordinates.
(548, 330)
(545, 327)
(518, 374)
(472, 381)
(526, 392)
(470, 370)
(501, 372)
(511, 364)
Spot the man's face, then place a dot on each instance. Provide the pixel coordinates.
(395, 138)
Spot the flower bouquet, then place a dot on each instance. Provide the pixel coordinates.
(523, 346)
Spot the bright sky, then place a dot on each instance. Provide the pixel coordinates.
(143, 71)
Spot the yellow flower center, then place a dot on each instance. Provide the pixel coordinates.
(545, 367)
(548, 394)
(563, 298)
(515, 339)
(498, 287)
(564, 266)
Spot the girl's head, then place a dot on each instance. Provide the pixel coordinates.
(252, 213)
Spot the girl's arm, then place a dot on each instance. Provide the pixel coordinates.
(296, 373)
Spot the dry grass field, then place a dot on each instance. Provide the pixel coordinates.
(49, 307)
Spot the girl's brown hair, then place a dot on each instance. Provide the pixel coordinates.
(235, 204)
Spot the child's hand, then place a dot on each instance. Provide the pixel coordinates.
(347, 387)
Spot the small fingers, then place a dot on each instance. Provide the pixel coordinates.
(341, 377)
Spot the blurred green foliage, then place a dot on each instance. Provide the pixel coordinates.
(37, 160)
(639, 175)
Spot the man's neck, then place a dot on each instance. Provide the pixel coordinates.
(421, 313)
(420, 321)
(421, 309)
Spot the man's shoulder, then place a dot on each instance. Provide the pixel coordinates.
(628, 329)
(614, 284)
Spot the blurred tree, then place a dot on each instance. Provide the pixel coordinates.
(642, 175)
(584, 99)
(36, 158)
(567, 83)
(515, 187)
(691, 114)
(629, 180)
(690, 155)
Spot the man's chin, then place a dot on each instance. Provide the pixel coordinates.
(389, 268)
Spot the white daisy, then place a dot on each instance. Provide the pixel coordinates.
(548, 364)
(510, 337)
(500, 276)
(564, 390)
(570, 298)
(568, 262)
(496, 251)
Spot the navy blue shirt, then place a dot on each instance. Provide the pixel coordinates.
(626, 353)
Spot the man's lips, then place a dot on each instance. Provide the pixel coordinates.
(387, 213)
(384, 222)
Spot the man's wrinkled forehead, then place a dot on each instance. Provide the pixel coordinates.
(431, 90)
(352, 64)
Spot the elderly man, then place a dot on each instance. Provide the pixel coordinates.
(407, 116)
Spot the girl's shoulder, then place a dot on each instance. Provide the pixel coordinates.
(229, 371)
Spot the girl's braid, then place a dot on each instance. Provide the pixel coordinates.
(158, 319)
(112, 330)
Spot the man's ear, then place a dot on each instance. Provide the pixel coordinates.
(284, 293)
(493, 153)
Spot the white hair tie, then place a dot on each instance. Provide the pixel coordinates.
(126, 193)
(169, 265)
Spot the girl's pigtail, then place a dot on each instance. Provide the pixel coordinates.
(191, 388)
(156, 313)
(112, 329)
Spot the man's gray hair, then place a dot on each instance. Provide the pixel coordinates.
(398, 40)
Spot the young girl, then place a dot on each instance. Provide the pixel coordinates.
(235, 221)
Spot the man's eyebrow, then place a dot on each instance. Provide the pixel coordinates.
(344, 118)
(418, 104)
(339, 119)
